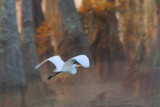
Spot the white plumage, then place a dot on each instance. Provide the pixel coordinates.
(83, 60)
(56, 60)
(67, 66)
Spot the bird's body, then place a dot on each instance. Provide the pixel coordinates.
(68, 66)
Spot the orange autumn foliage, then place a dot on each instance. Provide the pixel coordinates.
(99, 7)
(43, 35)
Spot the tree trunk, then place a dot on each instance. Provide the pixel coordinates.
(28, 42)
(38, 16)
(157, 58)
(101, 28)
(69, 39)
(35, 84)
(12, 78)
(140, 40)
(48, 9)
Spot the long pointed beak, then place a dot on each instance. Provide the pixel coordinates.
(79, 65)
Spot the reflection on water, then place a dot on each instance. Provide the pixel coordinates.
(86, 89)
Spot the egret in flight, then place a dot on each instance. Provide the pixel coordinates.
(68, 66)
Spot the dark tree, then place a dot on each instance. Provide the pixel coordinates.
(101, 28)
(69, 38)
(28, 42)
(12, 78)
(38, 16)
(140, 32)
(35, 85)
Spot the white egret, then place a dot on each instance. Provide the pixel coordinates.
(68, 66)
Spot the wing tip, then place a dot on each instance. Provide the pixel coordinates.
(36, 67)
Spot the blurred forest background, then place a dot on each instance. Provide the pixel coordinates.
(121, 38)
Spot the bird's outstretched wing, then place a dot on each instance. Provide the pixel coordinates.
(56, 60)
(83, 60)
